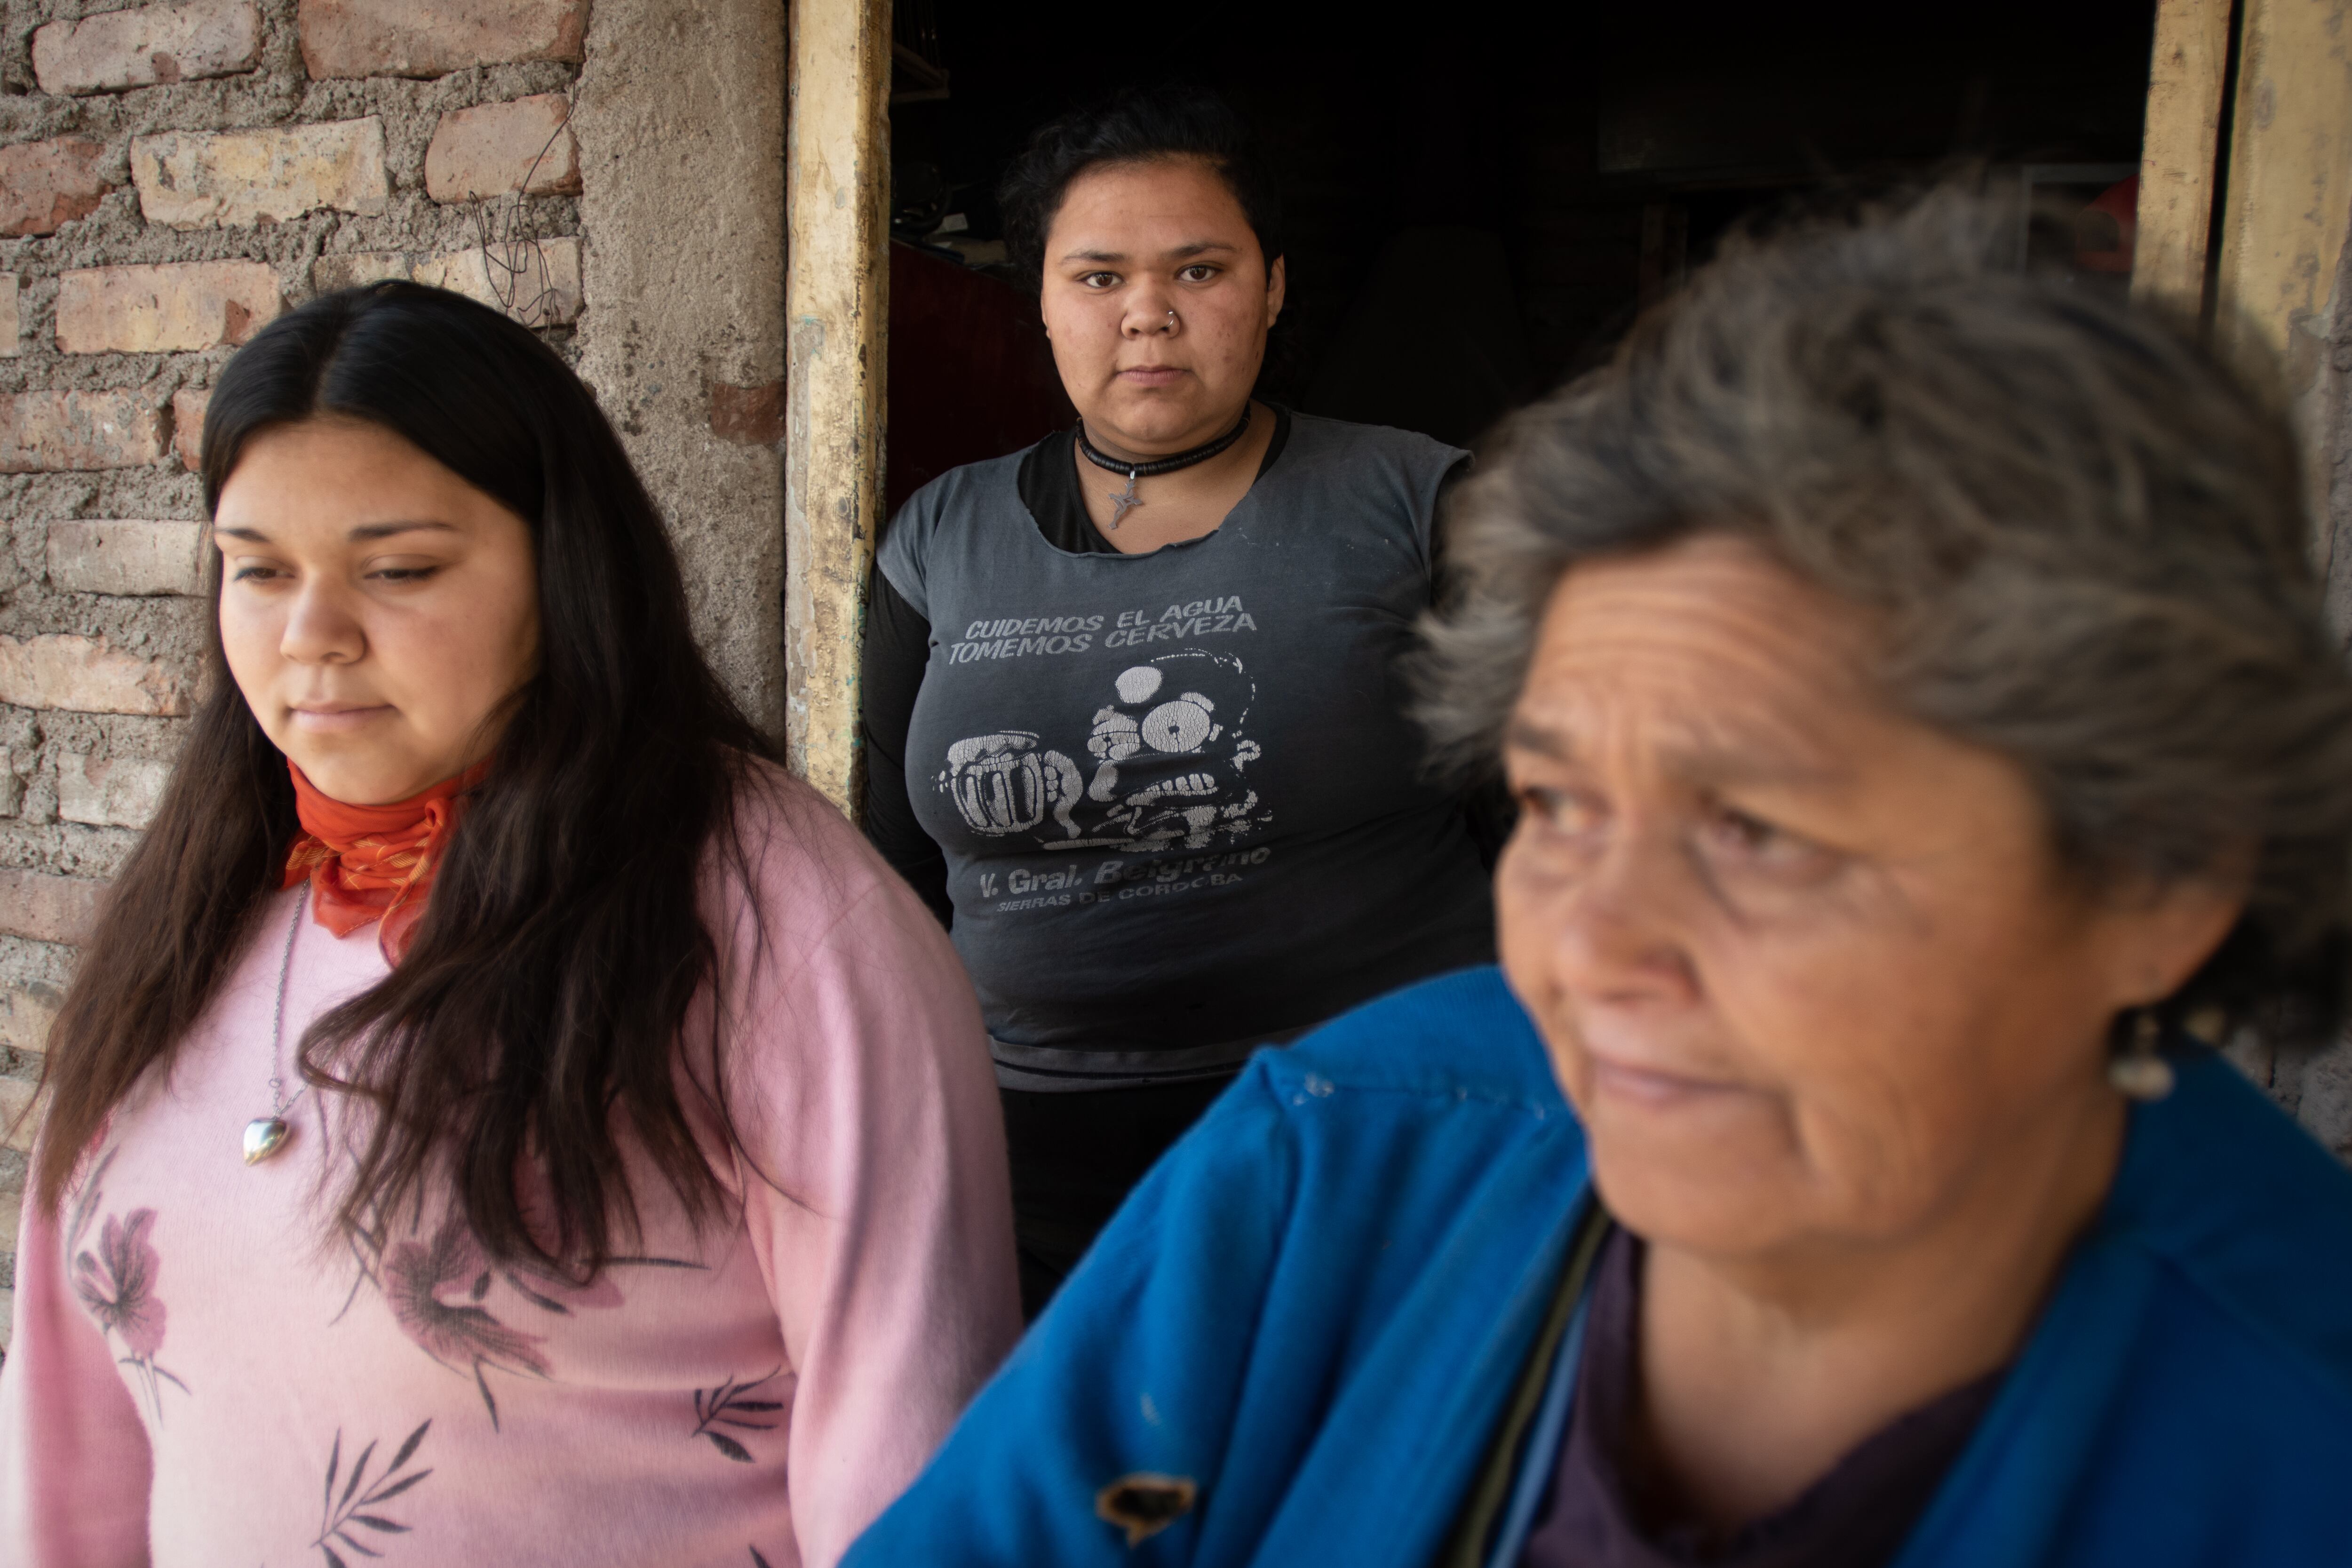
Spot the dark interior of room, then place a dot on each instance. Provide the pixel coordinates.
(1480, 199)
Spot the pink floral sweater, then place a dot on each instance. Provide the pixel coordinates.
(204, 1374)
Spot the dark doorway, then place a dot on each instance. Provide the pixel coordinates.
(1482, 198)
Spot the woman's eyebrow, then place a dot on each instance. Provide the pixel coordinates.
(370, 531)
(1776, 768)
(1708, 756)
(1177, 252)
(1523, 734)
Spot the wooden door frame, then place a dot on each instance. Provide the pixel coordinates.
(836, 324)
(2267, 297)
(2250, 109)
(2187, 83)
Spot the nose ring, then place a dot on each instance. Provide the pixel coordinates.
(1171, 318)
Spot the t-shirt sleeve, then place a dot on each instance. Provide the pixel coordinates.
(1135, 1372)
(873, 1170)
(898, 558)
(897, 652)
(73, 1457)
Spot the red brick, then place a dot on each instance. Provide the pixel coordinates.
(199, 179)
(17, 1098)
(126, 556)
(47, 431)
(535, 281)
(85, 675)
(188, 405)
(46, 183)
(523, 146)
(43, 908)
(434, 37)
(178, 306)
(748, 416)
(27, 1012)
(349, 268)
(122, 792)
(148, 45)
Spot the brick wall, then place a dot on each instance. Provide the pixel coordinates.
(173, 176)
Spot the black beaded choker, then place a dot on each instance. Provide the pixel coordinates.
(1123, 504)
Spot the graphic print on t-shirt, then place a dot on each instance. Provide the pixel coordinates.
(1164, 766)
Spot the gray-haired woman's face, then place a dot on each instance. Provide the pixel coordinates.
(1807, 967)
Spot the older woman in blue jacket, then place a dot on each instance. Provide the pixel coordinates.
(1929, 746)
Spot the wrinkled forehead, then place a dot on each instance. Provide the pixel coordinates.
(1708, 654)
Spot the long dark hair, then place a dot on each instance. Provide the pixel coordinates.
(543, 997)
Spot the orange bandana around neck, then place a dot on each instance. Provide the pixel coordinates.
(374, 862)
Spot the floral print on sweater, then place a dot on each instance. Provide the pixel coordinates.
(115, 1281)
(358, 1515)
(444, 1292)
(399, 1396)
(435, 1288)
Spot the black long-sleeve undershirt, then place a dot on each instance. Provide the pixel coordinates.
(891, 677)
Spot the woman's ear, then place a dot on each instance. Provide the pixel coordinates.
(1276, 283)
(2162, 934)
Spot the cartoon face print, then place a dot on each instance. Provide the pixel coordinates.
(1169, 754)
(1171, 750)
(1153, 719)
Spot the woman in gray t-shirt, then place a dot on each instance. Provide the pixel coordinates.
(1132, 713)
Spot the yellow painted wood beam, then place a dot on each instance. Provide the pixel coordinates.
(2285, 210)
(2290, 188)
(2179, 153)
(836, 312)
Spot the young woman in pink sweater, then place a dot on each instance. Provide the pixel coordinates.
(499, 1117)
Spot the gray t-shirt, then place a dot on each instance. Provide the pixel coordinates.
(1183, 807)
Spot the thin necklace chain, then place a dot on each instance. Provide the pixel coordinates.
(278, 1104)
(1162, 465)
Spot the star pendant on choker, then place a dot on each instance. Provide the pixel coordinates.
(1127, 501)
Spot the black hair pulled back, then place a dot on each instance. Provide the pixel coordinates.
(1138, 125)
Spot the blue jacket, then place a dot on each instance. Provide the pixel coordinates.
(1316, 1306)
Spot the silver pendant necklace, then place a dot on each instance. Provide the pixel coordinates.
(265, 1135)
(1123, 503)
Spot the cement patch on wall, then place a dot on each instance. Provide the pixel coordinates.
(680, 118)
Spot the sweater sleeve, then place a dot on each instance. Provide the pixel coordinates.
(73, 1457)
(1108, 1428)
(873, 1170)
(898, 650)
